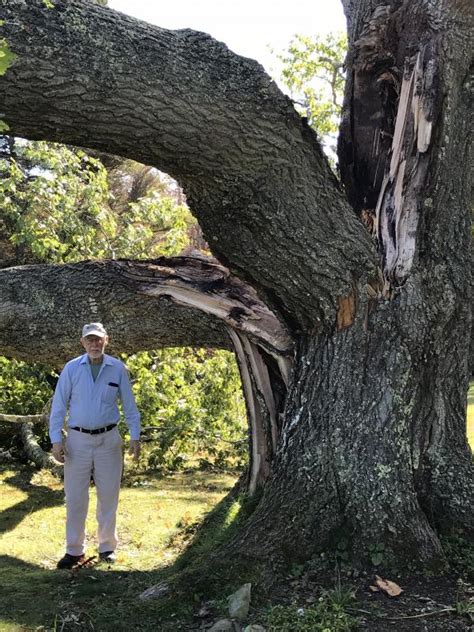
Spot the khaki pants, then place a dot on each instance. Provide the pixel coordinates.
(101, 455)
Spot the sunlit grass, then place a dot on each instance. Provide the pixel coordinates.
(32, 521)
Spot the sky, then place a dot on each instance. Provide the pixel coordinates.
(249, 27)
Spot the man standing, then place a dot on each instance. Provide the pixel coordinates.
(88, 388)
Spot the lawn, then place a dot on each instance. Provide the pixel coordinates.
(154, 513)
(35, 596)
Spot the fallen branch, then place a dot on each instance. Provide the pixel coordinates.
(21, 419)
(35, 453)
(448, 609)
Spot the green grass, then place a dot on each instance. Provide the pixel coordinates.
(32, 517)
(157, 520)
(470, 415)
(325, 616)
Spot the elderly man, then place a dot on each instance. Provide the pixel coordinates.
(88, 388)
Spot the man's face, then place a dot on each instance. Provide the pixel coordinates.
(94, 345)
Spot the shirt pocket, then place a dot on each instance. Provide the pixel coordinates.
(110, 393)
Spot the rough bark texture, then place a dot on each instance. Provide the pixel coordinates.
(369, 446)
(35, 453)
(185, 301)
(422, 222)
(252, 170)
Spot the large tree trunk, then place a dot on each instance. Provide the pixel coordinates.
(371, 448)
(374, 444)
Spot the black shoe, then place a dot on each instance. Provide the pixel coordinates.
(70, 561)
(107, 556)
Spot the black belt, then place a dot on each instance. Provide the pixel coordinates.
(94, 431)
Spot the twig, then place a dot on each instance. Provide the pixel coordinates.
(424, 614)
(411, 616)
(85, 563)
(21, 419)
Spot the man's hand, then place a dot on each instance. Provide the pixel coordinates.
(59, 451)
(134, 449)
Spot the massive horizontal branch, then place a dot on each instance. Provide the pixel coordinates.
(252, 169)
(185, 301)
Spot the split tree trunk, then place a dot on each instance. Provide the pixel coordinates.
(374, 451)
(371, 449)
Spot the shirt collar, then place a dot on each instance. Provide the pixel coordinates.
(85, 359)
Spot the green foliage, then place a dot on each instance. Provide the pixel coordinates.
(193, 399)
(460, 555)
(152, 227)
(7, 56)
(327, 615)
(58, 208)
(54, 204)
(24, 388)
(465, 608)
(313, 72)
(377, 553)
(60, 205)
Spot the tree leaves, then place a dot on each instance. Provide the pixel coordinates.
(387, 586)
(194, 400)
(313, 72)
(7, 56)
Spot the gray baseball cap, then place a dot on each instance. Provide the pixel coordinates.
(94, 329)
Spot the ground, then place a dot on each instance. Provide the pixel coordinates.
(32, 514)
(158, 519)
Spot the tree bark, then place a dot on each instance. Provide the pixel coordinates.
(32, 448)
(368, 448)
(35, 453)
(412, 171)
(253, 171)
(184, 301)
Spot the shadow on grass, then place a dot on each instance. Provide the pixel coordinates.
(95, 598)
(39, 497)
(101, 598)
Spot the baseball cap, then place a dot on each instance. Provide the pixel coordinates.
(94, 329)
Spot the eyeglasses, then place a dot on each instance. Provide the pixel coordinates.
(90, 340)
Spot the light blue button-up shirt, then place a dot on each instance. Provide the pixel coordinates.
(93, 404)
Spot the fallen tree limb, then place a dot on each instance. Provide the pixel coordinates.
(35, 453)
(22, 419)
